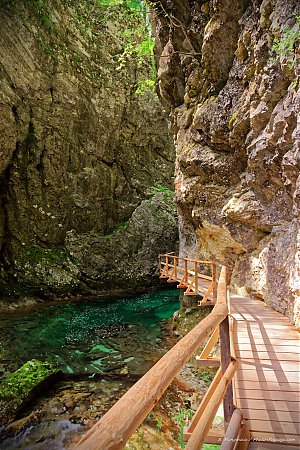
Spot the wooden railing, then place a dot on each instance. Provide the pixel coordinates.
(195, 276)
(113, 430)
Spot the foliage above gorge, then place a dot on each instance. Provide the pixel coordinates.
(126, 19)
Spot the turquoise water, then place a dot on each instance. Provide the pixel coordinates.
(89, 336)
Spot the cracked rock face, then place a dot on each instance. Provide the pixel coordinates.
(80, 149)
(237, 136)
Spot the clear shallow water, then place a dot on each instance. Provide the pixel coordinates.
(89, 336)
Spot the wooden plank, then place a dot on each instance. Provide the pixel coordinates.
(207, 303)
(279, 342)
(268, 347)
(280, 439)
(214, 436)
(258, 315)
(267, 337)
(273, 427)
(267, 385)
(269, 355)
(270, 446)
(266, 332)
(285, 366)
(267, 405)
(208, 294)
(266, 375)
(268, 395)
(192, 273)
(276, 416)
(254, 309)
(264, 324)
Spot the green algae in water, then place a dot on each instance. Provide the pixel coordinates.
(90, 336)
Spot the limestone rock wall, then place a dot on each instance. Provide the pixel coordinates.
(80, 149)
(230, 71)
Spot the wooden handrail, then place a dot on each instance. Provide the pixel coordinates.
(189, 274)
(113, 430)
(187, 259)
(189, 271)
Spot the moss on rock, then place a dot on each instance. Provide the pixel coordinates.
(22, 385)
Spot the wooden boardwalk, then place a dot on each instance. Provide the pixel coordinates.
(258, 378)
(267, 381)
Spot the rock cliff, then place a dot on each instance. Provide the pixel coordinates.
(85, 151)
(230, 71)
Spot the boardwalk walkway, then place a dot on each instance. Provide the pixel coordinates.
(267, 381)
(258, 378)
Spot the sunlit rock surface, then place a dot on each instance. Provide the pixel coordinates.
(237, 138)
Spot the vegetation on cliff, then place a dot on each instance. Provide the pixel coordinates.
(83, 139)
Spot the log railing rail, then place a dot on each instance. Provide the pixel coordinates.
(195, 276)
(113, 430)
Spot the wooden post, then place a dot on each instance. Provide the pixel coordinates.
(233, 431)
(167, 265)
(215, 281)
(175, 267)
(225, 361)
(243, 439)
(196, 276)
(185, 272)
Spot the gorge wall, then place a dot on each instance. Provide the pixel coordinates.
(230, 71)
(86, 158)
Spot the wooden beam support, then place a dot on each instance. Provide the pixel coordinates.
(207, 362)
(204, 403)
(197, 438)
(210, 289)
(210, 344)
(214, 436)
